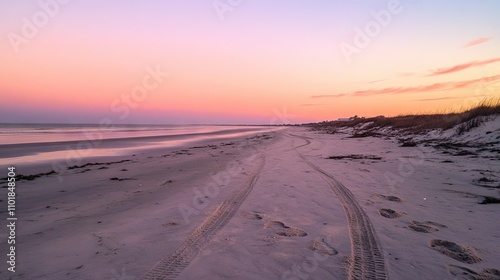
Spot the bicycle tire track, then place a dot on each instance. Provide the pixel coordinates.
(367, 260)
(171, 266)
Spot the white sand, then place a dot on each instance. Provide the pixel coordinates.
(97, 228)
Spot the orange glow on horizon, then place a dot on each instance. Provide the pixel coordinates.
(249, 66)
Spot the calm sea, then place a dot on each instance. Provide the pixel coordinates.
(28, 143)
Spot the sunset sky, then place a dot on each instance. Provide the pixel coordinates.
(245, 61)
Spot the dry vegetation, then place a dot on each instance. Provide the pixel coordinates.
(466, 120)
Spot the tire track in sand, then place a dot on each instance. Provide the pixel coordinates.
(367, 260)
(171, 266)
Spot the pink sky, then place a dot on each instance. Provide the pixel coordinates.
(246, 64)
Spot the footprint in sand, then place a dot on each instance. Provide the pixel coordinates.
(460, 272)
(284, 230)
(170, 224)
(465, 254)
(391, 198)
(279, 227)
(425, 227)
(320, 246)
(252, 215)
(390, 214)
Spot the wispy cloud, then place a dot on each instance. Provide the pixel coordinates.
(376, 81)
(406, 74)
(415, 89)
(330, 95)
(438, 98)
(464, 66)
(449, 97)
(477, 41)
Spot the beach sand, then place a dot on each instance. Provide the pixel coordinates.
(269, 206)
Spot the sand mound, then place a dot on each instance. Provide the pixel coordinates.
(390, 214)
(492, 271)
(455, 251)
(283, 230)
(425, 227)
(320, 246)
(460, 272)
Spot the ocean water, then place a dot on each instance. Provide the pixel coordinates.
(43, 133)
(31, 143)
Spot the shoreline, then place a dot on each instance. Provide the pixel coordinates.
(13, 151)
(129, 147)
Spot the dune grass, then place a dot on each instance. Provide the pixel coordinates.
(465, 119)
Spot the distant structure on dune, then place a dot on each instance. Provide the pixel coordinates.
(355, 117)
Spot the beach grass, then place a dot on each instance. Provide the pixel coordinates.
(465, 119)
